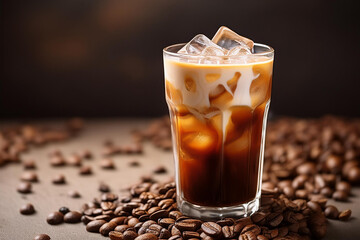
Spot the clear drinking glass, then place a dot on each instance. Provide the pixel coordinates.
(218, 111)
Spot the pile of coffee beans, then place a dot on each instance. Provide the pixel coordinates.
(149, 211)
(18, 139)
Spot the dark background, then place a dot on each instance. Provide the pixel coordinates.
(104, 58)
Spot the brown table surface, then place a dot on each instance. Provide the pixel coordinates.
(47, 197)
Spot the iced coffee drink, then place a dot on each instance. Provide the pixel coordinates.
(218, 93)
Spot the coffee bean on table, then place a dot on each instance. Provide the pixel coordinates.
(59, 179)
(345, 215)
(103, 187)
(147, 236)
(85, 170)
(29, 164)
(339, 195)
(94, 226)
(107, 228)
(331, 212)
(160, 170)
(74, 194)
(29, 177)
(86, 154)
(116, 235)
(212, 229)
(354, 175)
(107, 163)
(24, 187)
(27, 209)
(134, 164)
(55, 218)
(57, 161)
(72, 217)
(131, 235)
(42, 237)
(64, 210)
(343, 186)
(74, 160)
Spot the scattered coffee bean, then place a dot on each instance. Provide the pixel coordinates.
(331, 212)
(345, 215)
(74, 194)
(160, 170)
(27, 209)
(85, 170)
(74, 160)
(57, 161)
(59, 179)
(94, 226)
(64, 210)
(42, 237)
(86, 154)
(134, 164)
(55, 218)
(24, 187)
(107, 228)
(103, 187)
(107, 163)
(29, 164)
(72, 217)
(29, 177)
(340, 196)
(116, 235)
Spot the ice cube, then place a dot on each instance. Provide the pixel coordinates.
(228, 39)
(238, 51)
(200, 45)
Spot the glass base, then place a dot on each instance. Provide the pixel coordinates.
(215, 213)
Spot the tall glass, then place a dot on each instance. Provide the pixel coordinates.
(218, 111)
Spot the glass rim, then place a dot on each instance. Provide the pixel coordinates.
(166, 51)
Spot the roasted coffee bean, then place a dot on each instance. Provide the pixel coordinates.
(175, 214)
(74, 194)
(175, 231)
(190, 234)
(340, 196)
(212, 229)
(94, 226)
(55, 218)
(122, 228)
(85, 170)
(159, 214)
(24, 187)
(160, 170)
(74, 160)
(106, 206)
(103, 217)
(109, 197)
(87, 219)
(27, 209)
(116, 235)
(175, 237)
(118, 220)
(147, 236)
(326, 191)
(107, 163)
(261, 237)
(345, 215)
(343, 186)
(166, 222)
(301, 193)
(29, 177)
(247, 236)
(331, 212)
(106, 228)
(164, 234)
(354, 175)
(228, 231)
(85, 154)
(133, 221)
(72, 217)
(259, 218)
(130, 235)
(103, 187)
(134, 164)
(274, 219)
(29, 164)
(59, 179)
(64, 210)
(188, 224)
(333, 164)
(241, 223)
(314, 206)
(42, 237)
(251, 228)
(57, 161)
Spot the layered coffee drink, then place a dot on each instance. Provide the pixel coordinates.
(218, 93)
